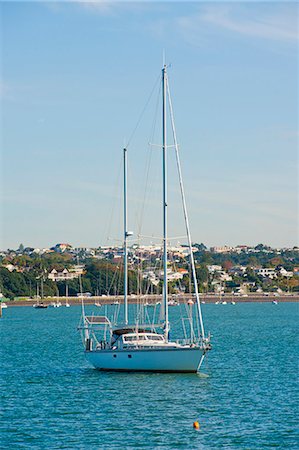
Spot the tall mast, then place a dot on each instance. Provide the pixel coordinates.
(164, 147)
(202, 330)
(125, 241)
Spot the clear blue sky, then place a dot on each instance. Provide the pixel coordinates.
(74, 79)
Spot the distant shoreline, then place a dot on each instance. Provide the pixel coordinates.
(208, 299)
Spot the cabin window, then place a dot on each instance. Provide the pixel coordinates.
(129, 338)
(155, 338)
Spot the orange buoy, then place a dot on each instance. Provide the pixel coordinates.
(196, 425)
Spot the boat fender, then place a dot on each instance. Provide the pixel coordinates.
(196, 425)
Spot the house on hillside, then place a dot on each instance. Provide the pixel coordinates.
(223, 249)
(285, 273)
(61, 248)
(214, 268)
(63, 275)
(268, 272)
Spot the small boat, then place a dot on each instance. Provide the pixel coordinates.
(40, 305)
(224, 303)
(3, 305)
(173, 303)
(274, 302)
(55, 304)
(97, 304)
(67, 305)
(232, 302)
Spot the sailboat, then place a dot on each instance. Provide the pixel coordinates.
(67, 305)
(132, 345)
(39, 304)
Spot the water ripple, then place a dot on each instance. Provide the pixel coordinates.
(244, 399)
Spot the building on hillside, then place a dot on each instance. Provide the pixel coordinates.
(241, 248)
(10, 267)
(63, 275)
(268, 272)
(78, 269)
(223, 249)
(183, 271)
(223, 276)
(214, 268)
(245, 287)
(61, 248)
(151, 276)
(41, 251)
(171, 276)
(117, 258)
(237, 270)
(285, 273)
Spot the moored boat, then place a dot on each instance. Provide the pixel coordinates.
(40, 305)
(137, 345)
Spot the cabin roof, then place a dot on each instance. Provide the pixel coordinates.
(120, 331)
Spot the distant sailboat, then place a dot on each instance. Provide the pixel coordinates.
(40, 305)
(173, 303)
(67, 305)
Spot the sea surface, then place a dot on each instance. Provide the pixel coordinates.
(245, 398)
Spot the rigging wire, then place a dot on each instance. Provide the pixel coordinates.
(148, 164)
(185, 210)
(142, 113)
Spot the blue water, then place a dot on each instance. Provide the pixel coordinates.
(246, 399)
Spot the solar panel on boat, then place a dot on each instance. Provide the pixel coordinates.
(97, 320)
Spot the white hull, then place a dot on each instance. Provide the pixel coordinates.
(147, 360)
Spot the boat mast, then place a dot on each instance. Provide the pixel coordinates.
(125, 241)
(164, 147)
(202, 330)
